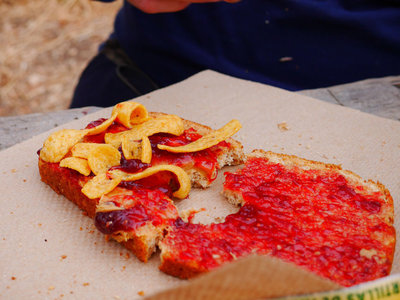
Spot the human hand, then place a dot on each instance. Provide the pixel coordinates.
(162, 6)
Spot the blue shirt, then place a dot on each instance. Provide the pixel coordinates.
(286, 43)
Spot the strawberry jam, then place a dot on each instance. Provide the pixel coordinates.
(312, 218)
(142, 206)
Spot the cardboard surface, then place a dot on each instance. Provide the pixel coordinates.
(48, 249)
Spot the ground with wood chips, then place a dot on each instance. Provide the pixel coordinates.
(45, 47)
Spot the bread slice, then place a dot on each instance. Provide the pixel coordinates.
(316, 215)
(141, 241)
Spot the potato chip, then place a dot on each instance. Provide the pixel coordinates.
(182, 176)
(131, 149)
(103, 126)
(76, 163)
(210, 139)
(59, 143)
(166, 124)
(100, 185)
(130, 113)
(146, 150)
(137, 150)
(82, 150)
(103, 157)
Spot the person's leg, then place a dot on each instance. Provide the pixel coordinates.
(110, 78)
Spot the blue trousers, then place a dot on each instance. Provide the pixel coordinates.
(109, 78)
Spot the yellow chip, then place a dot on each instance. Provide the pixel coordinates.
(183, 178)
(103, 126)
(82, 150)
(100, 185)
(210, 139)
(130, 113)
(103, 157)
(59, 143)
(137, 150)
(146, 150)
(131, 149)
(78, 164)
(165, 124)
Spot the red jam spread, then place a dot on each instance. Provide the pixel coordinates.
(142, 206)
(313, 218)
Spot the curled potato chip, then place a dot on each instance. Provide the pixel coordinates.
(183, 178)
(103, 126)
(82, 150)
(130, 113)
(100, 185)
(166, 124)
(59, 143)
(76, 163)
(210, 139)
(103, 157)
(137, 150)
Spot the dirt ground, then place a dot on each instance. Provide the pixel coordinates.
(45, 45)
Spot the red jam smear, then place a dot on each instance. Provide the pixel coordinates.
(313, 218)
(143, 206)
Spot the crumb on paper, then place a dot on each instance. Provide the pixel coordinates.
(51, 288)
(13, 278)
(39, 224)
(86, 284)
(286, 58)
(24, 180)
(13, 170)
(80, 228)
(283, 126)
(218, 219)
(141, 293)
(63, 257)
(127, 255)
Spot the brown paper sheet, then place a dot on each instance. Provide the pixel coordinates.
(48, 249)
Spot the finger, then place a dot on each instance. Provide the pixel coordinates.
(159, 6)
